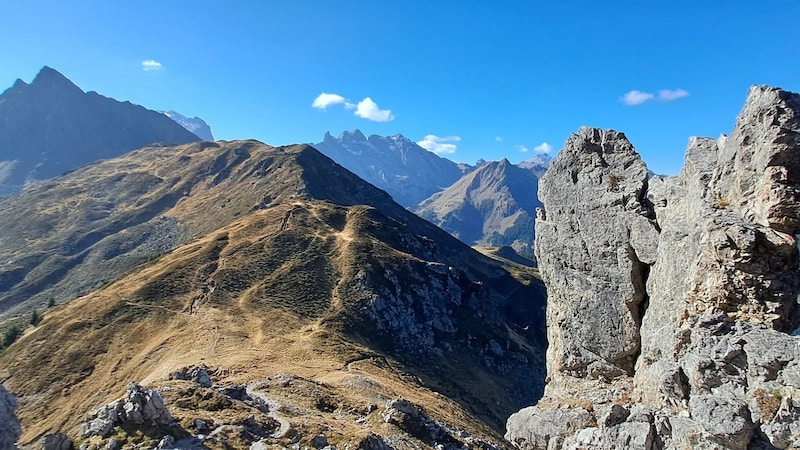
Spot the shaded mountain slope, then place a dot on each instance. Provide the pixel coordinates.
(493, 205)
(396, 164)
(280, 262)
(51, 126)
(89, 227)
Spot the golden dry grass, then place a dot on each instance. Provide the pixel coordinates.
(251, 300)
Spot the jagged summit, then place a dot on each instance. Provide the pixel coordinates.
(408, 172)
(537, 163)
(195, 125)
(672, 301)
(353, 135)
(51, 126)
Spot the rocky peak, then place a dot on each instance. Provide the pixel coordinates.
(490, 206)
(408, 172)
(51, 80)
(759, 166)
(195, 125)
(670, 299)
(51, 126)
(596, 182)
(538, 164)
(352, 136)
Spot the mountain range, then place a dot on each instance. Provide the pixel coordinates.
(246, 264)
(236, 295)
(51, 126)
(396, 164)
(490, 204)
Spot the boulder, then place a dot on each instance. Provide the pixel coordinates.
(140, 406)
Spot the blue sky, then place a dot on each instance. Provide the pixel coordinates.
(496, 78)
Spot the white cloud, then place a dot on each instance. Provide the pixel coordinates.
(521, 148)
(668, 95)
(439, 145)
(324, 100)
(633, 98)
(636, 98)
(367, 109)
(498, 139)
(151, 65)
(544, 147)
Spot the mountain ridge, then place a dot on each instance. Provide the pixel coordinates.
(273, 261)
(51, 126)
(408, 172)
(493, 205)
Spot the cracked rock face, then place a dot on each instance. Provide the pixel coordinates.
(593, 252)
(672, 300)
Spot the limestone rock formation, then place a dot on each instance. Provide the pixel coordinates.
(140, 406)
(672, 300)
(11, 429)
(594, 249)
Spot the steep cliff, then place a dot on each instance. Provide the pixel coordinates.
(672, 299)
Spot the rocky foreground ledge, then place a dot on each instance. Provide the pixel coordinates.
(672, 301)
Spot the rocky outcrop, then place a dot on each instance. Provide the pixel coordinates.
(593, 250)
(11, 429)
(672, 300)
(139, 407)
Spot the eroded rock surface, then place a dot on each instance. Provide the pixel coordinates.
(11, 429)
(593, 250)
(672, 300)
(139, 407)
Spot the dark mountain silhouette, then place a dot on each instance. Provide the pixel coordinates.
(51, 126)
